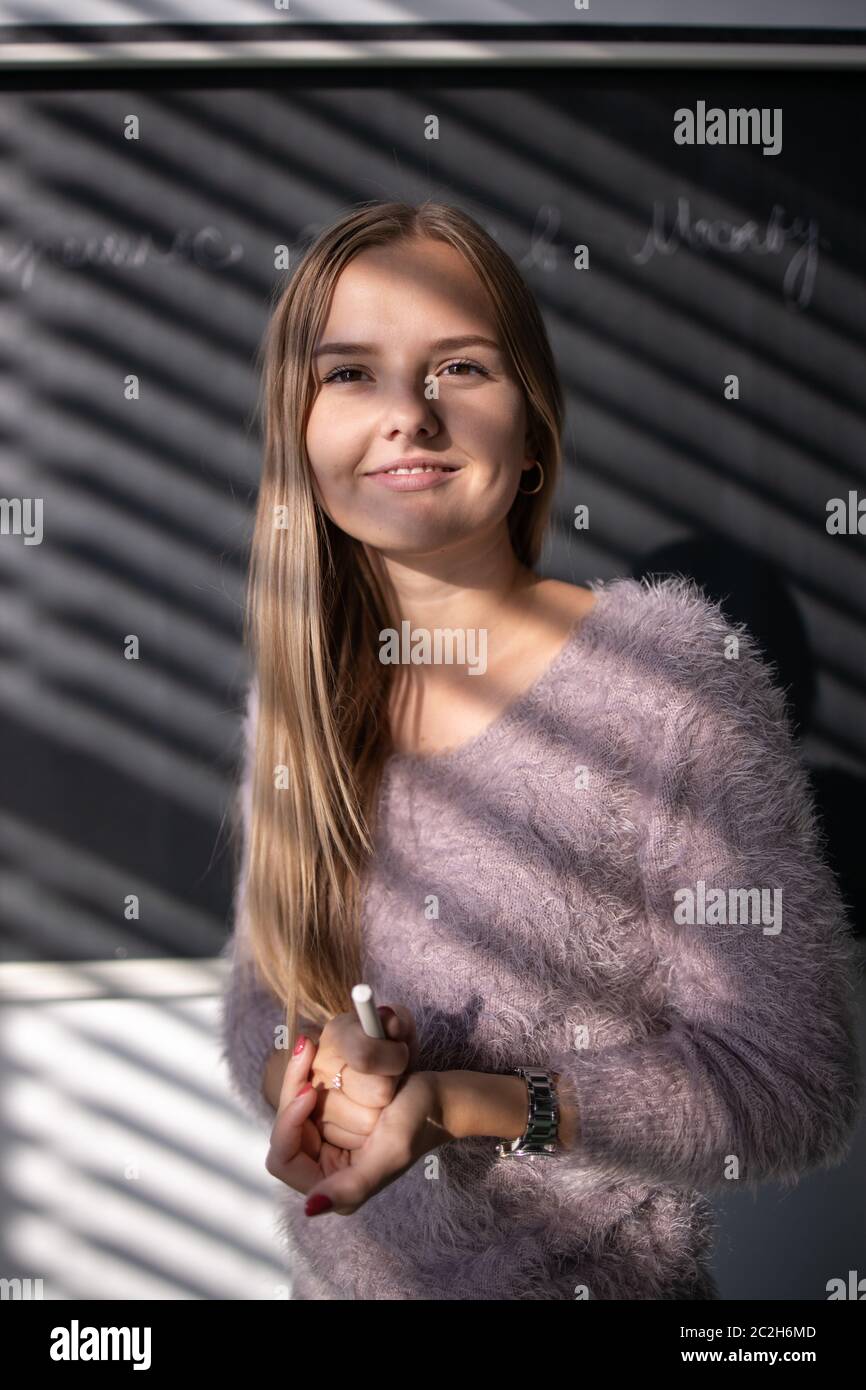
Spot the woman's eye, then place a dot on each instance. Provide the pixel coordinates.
(338, 372)
(474, 365)
(343, 375)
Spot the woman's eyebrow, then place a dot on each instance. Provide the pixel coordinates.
(441, 345)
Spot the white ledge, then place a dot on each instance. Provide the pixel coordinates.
(517, 52)
(23, 982)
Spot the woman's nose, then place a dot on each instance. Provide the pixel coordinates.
(409, 408)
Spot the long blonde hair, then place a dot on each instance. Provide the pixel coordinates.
(316, 603)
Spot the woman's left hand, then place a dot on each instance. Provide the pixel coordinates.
(409, 1127)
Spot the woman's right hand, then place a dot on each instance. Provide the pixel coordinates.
(316, 1130)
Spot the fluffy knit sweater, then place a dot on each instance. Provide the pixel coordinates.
(544, 895)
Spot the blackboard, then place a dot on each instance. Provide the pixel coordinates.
(156, 257)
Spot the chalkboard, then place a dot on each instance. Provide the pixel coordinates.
(155, 257)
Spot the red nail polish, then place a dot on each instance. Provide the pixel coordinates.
(304, 1089)
(299, 1045)
(317, 1204)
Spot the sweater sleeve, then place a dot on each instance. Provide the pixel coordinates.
(250, 1014)
(755, 1072)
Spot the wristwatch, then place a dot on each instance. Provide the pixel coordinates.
(540, 1139)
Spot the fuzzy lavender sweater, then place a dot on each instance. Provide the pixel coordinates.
(529, 902)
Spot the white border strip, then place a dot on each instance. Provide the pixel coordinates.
(424, 52)
(43, 982)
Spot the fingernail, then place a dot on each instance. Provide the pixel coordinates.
(386, 1010)
(299, 1045)
(318, 1204)
(304, 1089)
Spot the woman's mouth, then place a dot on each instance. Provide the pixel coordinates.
(415, 479)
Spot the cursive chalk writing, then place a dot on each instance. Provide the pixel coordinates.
(733, 239)
(206, 247)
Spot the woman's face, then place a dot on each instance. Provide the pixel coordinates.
(371, 406)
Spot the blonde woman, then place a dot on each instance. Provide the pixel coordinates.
(528, 813)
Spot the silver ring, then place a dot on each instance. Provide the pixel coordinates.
(337, 1083)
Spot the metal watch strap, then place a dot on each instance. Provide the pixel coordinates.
(540, 1137)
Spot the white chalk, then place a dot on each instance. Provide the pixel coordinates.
(370, 1020)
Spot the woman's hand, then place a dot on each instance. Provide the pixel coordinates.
(315, 1130)
(405, 1131)
(370, 1070)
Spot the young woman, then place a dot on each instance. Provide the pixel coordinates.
(542, 853)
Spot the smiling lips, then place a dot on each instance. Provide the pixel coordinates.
(415, 479)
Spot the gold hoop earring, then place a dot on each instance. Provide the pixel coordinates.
(532, 491)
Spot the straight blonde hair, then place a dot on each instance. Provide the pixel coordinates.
(316, 602)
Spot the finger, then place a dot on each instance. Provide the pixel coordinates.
(297, 1072)
(331, 1159)
(408, 1033)
(286, 1138)
(311, 1139)
(376, 1164)
(345, 1123)
(342, 1138)
(364, 1089)
(382, 1057)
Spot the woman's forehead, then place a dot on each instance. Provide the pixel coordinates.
(377, 288)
